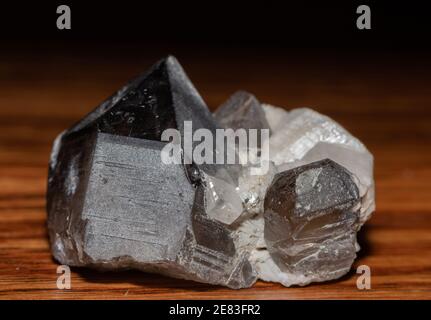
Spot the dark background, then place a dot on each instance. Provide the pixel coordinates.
(295, 25)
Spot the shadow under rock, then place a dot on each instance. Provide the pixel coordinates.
(366, 246)
(143, 279)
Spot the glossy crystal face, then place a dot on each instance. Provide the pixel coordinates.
(311, 219)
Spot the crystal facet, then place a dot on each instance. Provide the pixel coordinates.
(311, 220)
(241, 110)
(113, 204)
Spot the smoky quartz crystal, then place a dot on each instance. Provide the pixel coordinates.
(311, 220)
(113, 204)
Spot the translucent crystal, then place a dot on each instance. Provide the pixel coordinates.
(241, 192)
(311, 220)
(223, 202)
(241, 110)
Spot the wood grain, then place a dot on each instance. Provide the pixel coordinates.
(385, 101)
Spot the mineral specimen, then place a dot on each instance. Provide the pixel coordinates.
(114, 204)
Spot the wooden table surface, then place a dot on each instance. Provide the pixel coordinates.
(383, 99)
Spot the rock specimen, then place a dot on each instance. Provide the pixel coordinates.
(114, 204)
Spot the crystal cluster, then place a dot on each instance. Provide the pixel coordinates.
(113, 204)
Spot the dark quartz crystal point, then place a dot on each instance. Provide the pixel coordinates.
(112, 202)
(311, 220)
(242, 110)
(145, 110)
(159, 99)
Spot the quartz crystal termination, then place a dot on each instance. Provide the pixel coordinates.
(311, 220)
(113, 204)
(241, 110)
